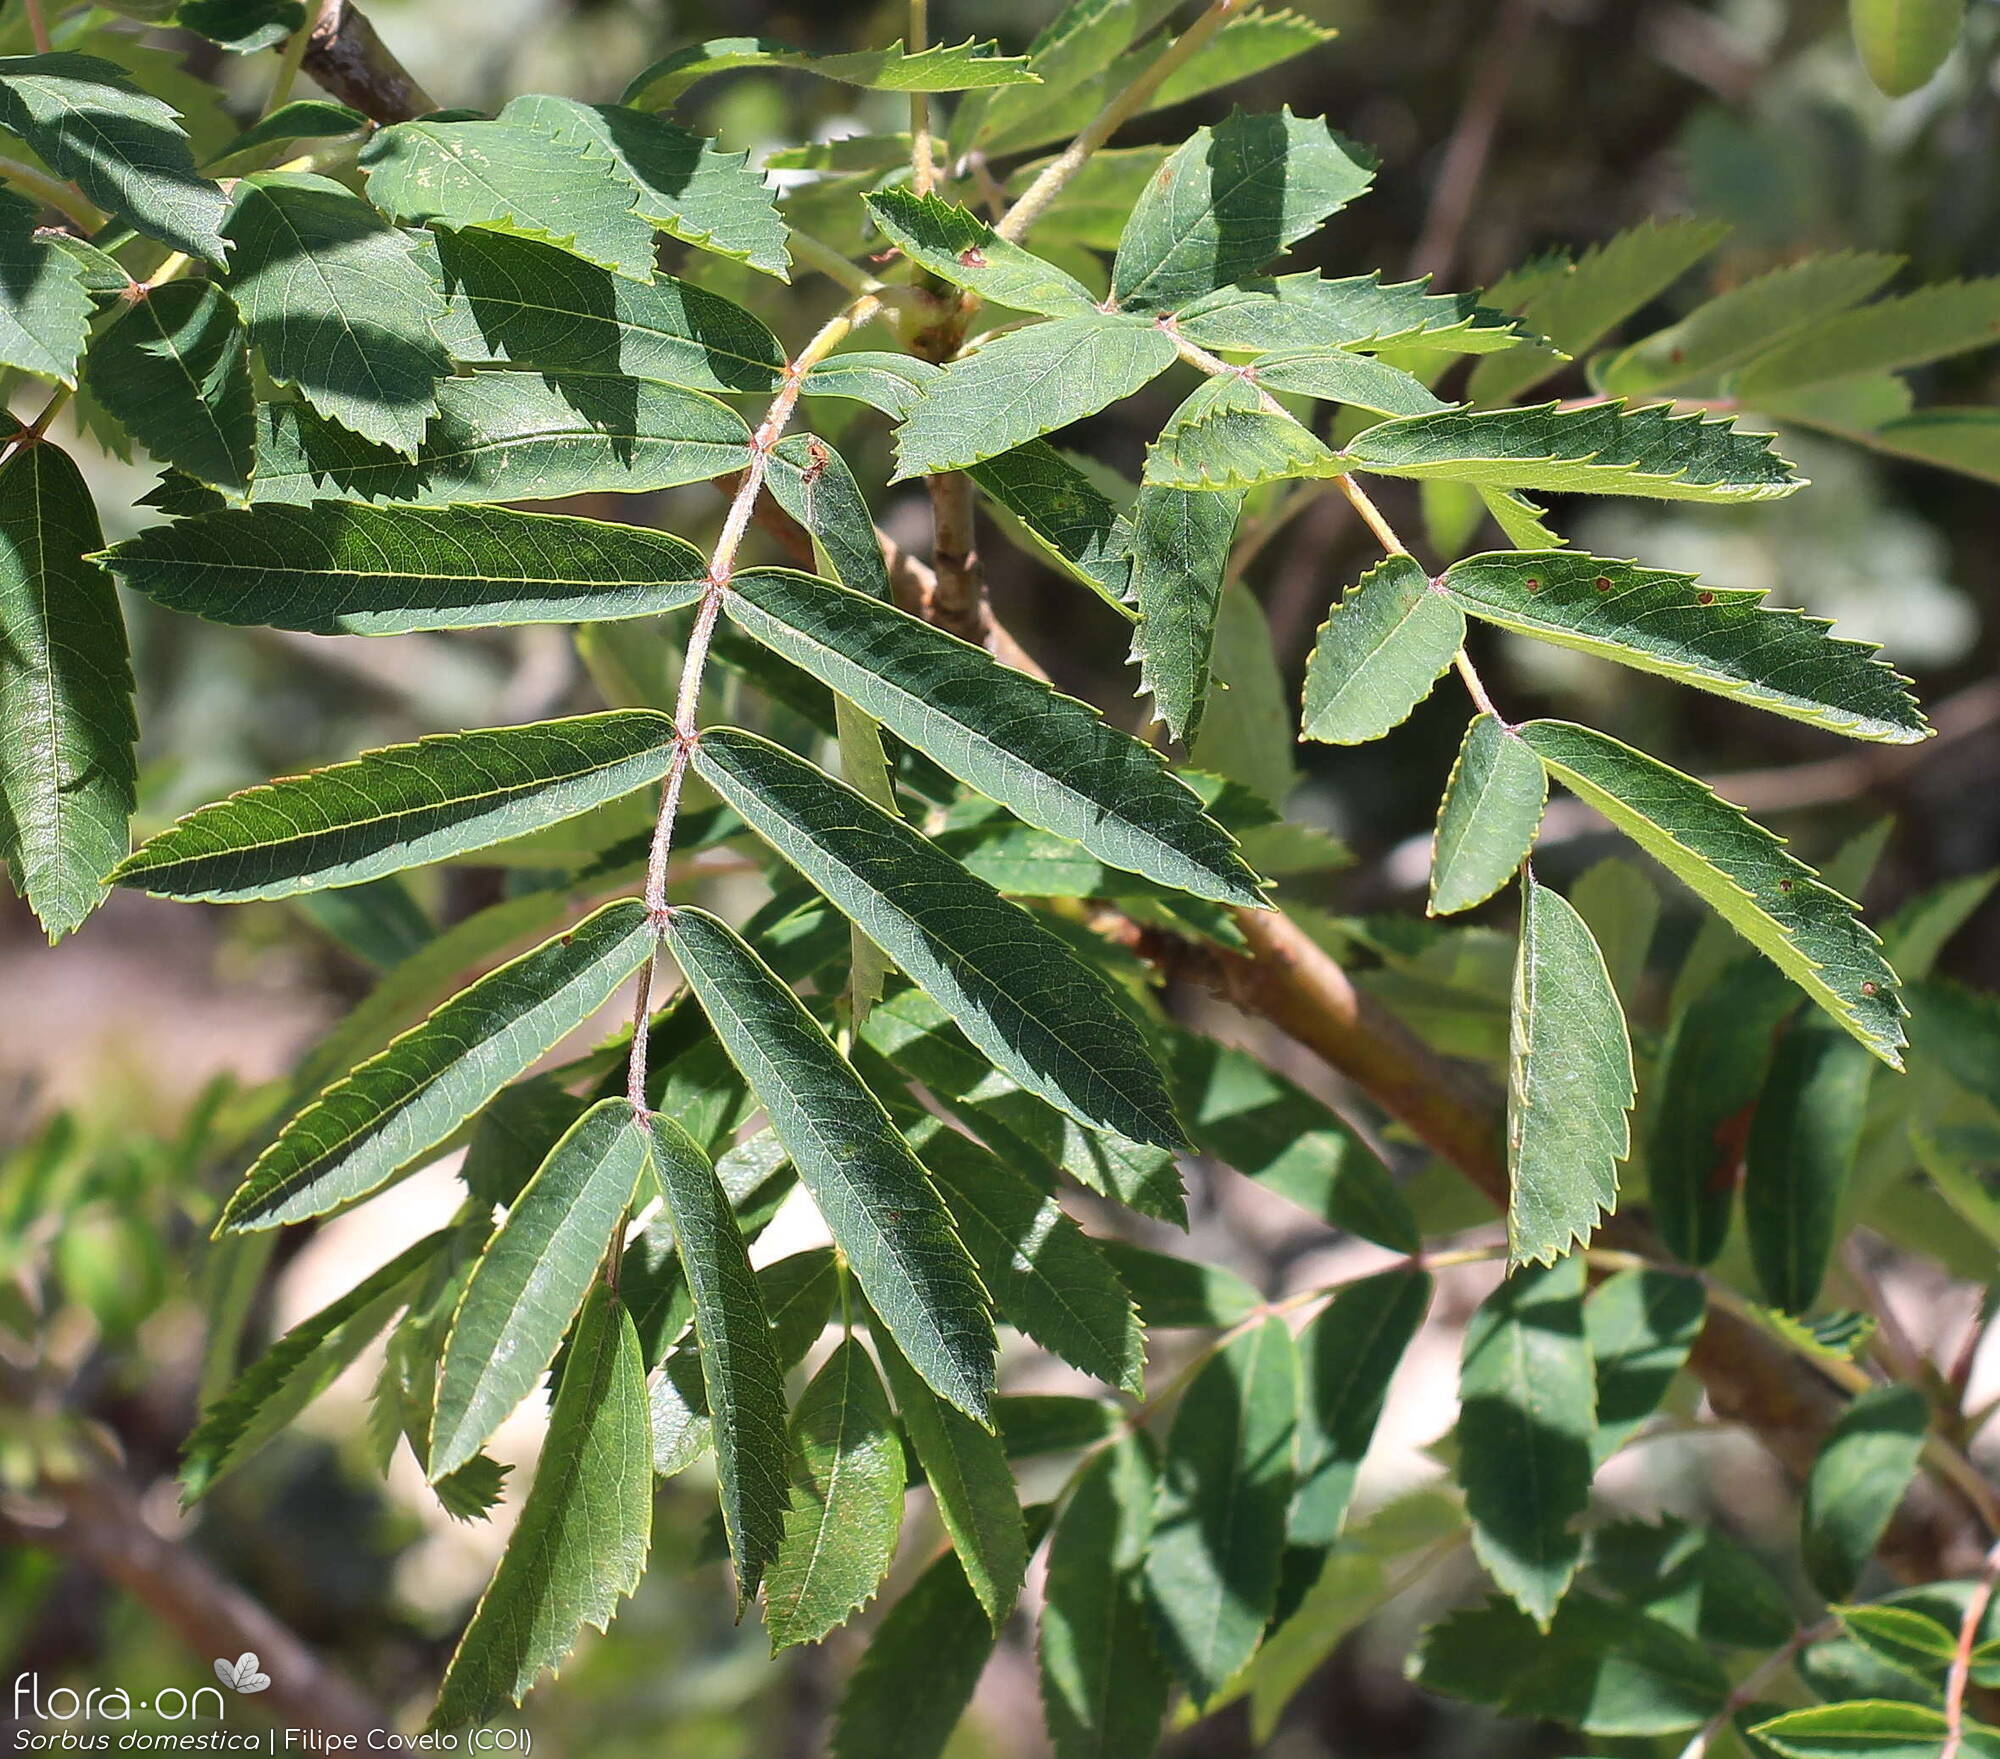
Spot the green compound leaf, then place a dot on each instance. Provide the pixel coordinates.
(876, 1201)
(682, 183)
(1212, 1566)
(1904, 42)
(1871, 1728)
(509, 436)
(1602, 288)
(514, 178)
(847, 1475)
(45, 303)
(1799, 1159)
(297, 1369)
(1717, 639)
(739, 1365)
(1306, 311)
(1025, 383)
(1015, 990)
(172, 368)
(531, 1279)
(518, 302)
(415, 1093)
(1487, 820)
(1229, 199)
(1048, 758)
(1946, 318)
(400, 807)
(1600, 449)
(67, 775)
(1864, 1466)
(339, 304)
(1737, 326)
(1074, 522)
(971, 1483)
(124, 148)
(1340, 375)
(963, 67)
(1104, 1686)
(1391, 637)
(585, 1528)
(1350, 1354)
(964, 250)
(1180, 541)
(1810, 932)
(1527, 1417)
(1225, 436)
(343, 569)
(1569, 1085)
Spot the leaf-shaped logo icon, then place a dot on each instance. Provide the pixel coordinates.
(241, 1675)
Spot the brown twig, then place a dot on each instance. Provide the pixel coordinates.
(349, 61)
(1958, 1680)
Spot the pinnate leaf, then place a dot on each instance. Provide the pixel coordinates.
(1948, 317)
(172, 368)
(45, 305)
(1641, 1324)
(1726, 641)
(1487, 821)
(1862, 1469)
(966, 66)
(339, 304)
(401, 807)
(1228, 435)
(1025, 383)
(1288, 313)
(1799, 1158)
(67, 775)
(532, 1278)
(956, 244)
(1064, 512)
(1047, 757)
(124, 148)
(1229, 199)
(1603, 449)
(1212, 1565)
(1806, 929)
(1527, 1416)
(739, 1366)
(584, 1530)
(335, 568)
(527, 304)
(1342, 375)
(1012, 987)
(877, 1203)
(847, 1475)
(1180, 541)
(1569, 1084)
(1391, 637)
(1871, 1728)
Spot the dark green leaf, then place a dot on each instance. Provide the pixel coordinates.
(1211, 1568)
(1047, 757)
(740, 1373)
(892, 383)
(1858, 1478)
(532, 1278)
(961, 248)
(1570, 1083)
(1228, 435)
(45, 304)
(401, 807)
(1487, 820)
(429, 1081)
(1066, 513)
(1350, 1353)
(301, 119)
(874, 1197)
(124, 148)
(1722, 640)
(1527, 1419)
(336, 568)
(1695, 1578)
(1799, 1158)
(1229, 200)
(67, 777)
(1810, 932)
(172, 368)
(942, 68)
(339, 304)
(1179, 1291)
(584, 1530)
(1014, 989)
(1104, 1687)
(812, 482)
(847, 1477)
(1388, 641)
(1640, 1325)
(1179, 546)
(242, 25)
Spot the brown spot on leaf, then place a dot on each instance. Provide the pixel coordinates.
(972, 257)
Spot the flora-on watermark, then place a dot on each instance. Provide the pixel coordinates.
(241, 1675)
